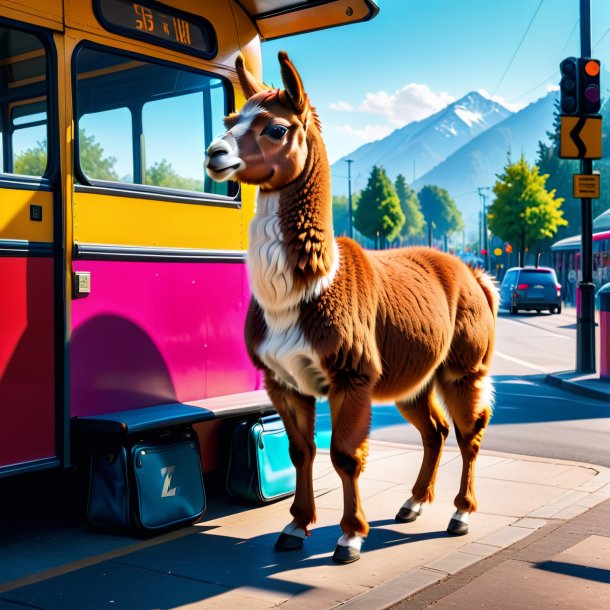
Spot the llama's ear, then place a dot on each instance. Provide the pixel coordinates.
(292, 83)
(248, 83)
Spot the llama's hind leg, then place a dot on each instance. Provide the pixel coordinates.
(298, 414)
(426, 415)
(468, 400)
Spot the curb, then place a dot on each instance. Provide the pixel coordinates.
(576, 388)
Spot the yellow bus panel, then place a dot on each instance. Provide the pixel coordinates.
(131, 221)
(47, 13)
(19, 214)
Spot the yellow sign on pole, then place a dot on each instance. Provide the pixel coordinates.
(581, 137)
(587, 186)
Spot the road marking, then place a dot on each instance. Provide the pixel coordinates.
(521, 362)
(548, 332)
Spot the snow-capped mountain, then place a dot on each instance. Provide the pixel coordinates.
(477, 163)
(416, 148)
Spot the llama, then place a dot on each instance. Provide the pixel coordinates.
(328, 318)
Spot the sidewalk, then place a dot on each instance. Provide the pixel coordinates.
(228, 560)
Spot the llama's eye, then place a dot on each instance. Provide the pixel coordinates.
(276, 132)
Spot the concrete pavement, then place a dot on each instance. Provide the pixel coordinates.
(228, 560)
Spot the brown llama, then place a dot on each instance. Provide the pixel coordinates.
(328, 318)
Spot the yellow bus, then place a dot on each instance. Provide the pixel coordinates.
(122, 278)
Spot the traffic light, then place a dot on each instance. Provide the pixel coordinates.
(588, 86)
(568, 86)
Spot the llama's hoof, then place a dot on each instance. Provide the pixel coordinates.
(458, 526)
(291, 538)
(407, 515)
(409, 511)
(348, 548)
(346, 554)
(288, 542)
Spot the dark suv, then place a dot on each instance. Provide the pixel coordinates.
(530, 288)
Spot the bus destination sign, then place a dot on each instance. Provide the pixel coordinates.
(159, 24)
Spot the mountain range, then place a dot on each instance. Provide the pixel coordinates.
(460, 148)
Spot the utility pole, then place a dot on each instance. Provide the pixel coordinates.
(485, 244)
(350, 230)
(585, 321)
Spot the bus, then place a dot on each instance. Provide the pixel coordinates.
(566, 261)
(122, 267)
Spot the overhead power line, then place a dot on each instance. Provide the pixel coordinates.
(527, 29)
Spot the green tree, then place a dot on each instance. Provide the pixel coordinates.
(92, 160)
(378, 212)
(163, 174)
(439, 208)
(409, 204)
(524, 211)
(32, 161)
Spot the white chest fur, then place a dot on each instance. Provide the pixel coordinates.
(285, 349)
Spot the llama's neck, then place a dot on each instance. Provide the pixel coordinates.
(305, 211)
(292, 254)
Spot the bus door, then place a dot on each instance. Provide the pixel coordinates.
(30, 252)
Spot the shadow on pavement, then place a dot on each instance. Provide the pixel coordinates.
(575, 570)
(198, 567)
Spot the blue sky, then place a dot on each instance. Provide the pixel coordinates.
(416, 56)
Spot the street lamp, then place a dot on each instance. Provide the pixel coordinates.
(483, 197)
(350, 231)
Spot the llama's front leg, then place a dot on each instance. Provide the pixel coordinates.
(351, 421)
(298, 414)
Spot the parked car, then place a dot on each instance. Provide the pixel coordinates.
(531, 289)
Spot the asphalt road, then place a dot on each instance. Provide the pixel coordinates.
(530, 417)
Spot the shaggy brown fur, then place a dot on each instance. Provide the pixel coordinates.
(402, 325)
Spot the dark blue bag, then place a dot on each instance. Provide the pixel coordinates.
(147, 485)
(260, 468)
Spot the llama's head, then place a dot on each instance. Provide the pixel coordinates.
(265, 143)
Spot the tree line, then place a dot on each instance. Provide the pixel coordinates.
(392, 212)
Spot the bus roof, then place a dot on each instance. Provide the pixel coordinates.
(573, 243)
(278, 18)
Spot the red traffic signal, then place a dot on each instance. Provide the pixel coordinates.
(589, 93)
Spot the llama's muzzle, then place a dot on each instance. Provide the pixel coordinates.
(222, 160)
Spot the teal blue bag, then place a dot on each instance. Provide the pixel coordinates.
(149, 485)
(260, 469)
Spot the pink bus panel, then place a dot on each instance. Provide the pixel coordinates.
(156, 332)
(27, 397)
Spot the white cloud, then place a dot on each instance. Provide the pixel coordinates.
(413, 102)
(550, 88)
(342, 106)
(368, 133)
(514, 107)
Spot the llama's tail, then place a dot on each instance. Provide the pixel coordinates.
(489, 288)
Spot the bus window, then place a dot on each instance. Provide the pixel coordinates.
(105, 145)
(147, 123)
(23, 103)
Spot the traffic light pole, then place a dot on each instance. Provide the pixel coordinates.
(585, 320)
